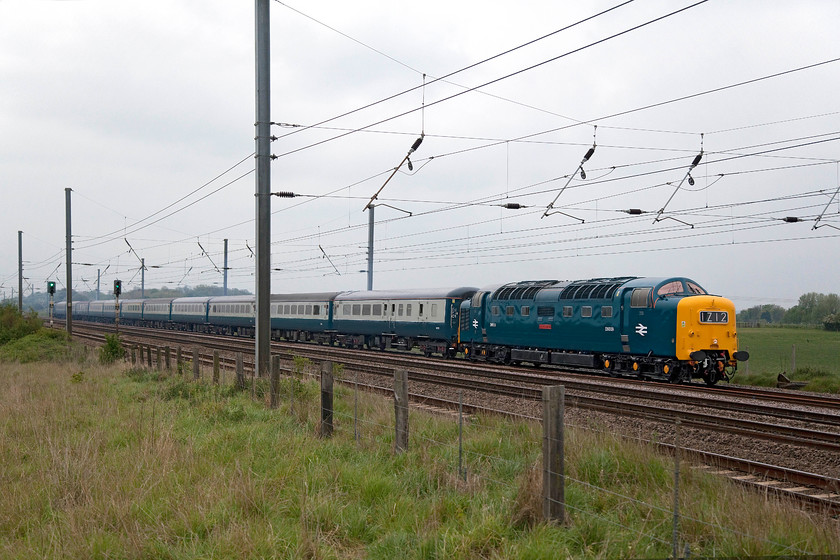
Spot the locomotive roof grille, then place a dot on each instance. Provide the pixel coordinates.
(522, 290)
(598, 288)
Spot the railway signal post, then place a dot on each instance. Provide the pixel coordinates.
(117, 292)
(51, 291)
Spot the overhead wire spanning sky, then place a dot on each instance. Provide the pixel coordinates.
(148, 117)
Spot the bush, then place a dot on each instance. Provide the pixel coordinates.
(44, 344)
(14, 325)
(112, 350)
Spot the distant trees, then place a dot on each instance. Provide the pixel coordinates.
(812, 309)
(763, 314)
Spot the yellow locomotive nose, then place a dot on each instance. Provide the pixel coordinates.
(705, 323)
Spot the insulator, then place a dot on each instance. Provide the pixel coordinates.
(512, 206)
(697, 159)
(589, 154)
(792, 219)
(634, 211)
(416, 145)
(284, 194)
(582, 173)
(690, 180)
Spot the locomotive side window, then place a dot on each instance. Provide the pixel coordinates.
(606, 311)
(586, 311)
(526, 310)
(567, 311)
(640, 297)
(494, 310)
(509, 311)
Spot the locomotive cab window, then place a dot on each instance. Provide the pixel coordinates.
(670, 289)
(640, 297)
(695, 289)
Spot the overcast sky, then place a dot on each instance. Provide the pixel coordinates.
(146, 111)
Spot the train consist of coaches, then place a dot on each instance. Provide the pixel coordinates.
(656, 328)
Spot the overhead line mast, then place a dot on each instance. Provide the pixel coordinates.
(263, 194)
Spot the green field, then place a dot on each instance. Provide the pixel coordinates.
(816, 354)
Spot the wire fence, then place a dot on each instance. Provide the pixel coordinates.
(468, 448)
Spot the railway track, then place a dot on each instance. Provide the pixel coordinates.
(818, 491)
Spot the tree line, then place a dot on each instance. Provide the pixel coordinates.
(812, 309)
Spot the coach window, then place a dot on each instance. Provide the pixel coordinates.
(586, 311)
(420, 313)
(434, 310)
(308, 310)
(408, 310)
(316, 309)
(640, 297)
(567, 311)
(287, 309)
(377, 309)
(400, 310)
(509, 311)
(366, 309)
(526, 310)
(606, 311)
(357, 309)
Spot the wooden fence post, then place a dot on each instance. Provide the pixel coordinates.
(196, 369)
(275, 381)
(401, 410)
(133, 354)
(215, 367)
(240, 371)
(179, 360)
(167, 352)
(149, 355)
(326, 399)
(158, 364)
(554, 506)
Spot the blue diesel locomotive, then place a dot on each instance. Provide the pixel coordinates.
(660, 328)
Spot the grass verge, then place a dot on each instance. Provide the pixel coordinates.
(104, 462)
